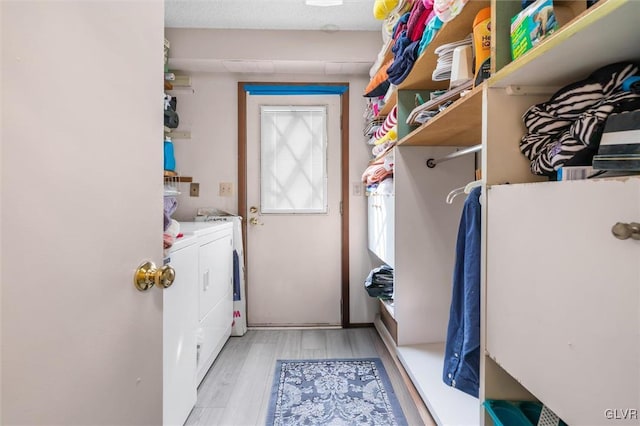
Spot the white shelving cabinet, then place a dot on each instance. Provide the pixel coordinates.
(560, 296)
(563, 311)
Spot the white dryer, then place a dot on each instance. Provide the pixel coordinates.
(239, 327)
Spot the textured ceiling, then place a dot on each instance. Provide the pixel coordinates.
(270, 14)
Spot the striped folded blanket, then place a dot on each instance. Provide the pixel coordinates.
(389, 123)
(574, 118)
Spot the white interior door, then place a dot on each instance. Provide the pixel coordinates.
(293, 197)
(81, 208)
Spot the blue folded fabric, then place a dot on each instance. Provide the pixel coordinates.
(401, 21)
(401, 66)
(400, 44)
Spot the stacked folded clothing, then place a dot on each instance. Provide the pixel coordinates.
(379, 282)
(566, 130)
(445, 58)
(378, 171)
(446, 10)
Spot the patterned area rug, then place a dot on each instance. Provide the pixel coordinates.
(333, 392)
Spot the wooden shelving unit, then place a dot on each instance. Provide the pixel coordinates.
(185, 179)
(177, 134)
(591, 31)
(173, 176)
(457, 29)
(420, 76)
(458, 125)
(181, 85)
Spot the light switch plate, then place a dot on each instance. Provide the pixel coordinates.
(194, 189)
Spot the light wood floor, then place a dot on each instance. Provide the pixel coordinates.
(236, 390)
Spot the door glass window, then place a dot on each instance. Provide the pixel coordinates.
(293, 159)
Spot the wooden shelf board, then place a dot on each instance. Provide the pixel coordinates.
(458, 125)
(448, 406)
(181, 179)
(178, 134)
(387, 304)
(393, 100)
(382, 154)
(180, 90)
(457, 29)
(608, 28)
(388, 53)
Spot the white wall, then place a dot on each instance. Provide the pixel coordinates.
(200, 50)
(210, 156)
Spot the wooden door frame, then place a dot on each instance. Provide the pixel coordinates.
(344, 182)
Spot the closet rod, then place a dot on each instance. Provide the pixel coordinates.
(431, 162)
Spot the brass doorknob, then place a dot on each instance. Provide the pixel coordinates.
(623, 231)
(147, 275)
(165, 276)
(254, 221)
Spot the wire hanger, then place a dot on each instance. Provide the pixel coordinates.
(462, 190)
(469, 187)
(453, 194)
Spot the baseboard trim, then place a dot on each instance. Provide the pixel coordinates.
(360, 325)
(294, 327)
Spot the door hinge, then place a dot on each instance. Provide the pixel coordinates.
(340, 208)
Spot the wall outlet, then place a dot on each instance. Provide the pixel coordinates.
(194, 189)
(225, 189)
(357, 188)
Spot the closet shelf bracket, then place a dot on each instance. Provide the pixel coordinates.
(431, 162)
